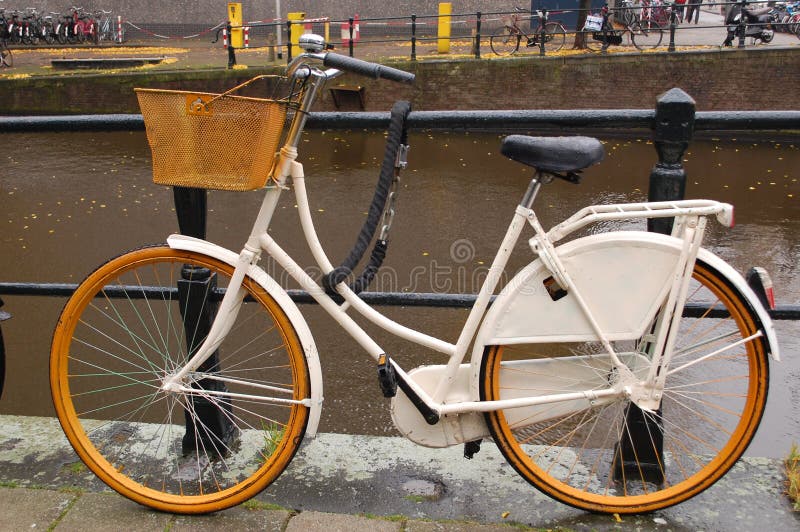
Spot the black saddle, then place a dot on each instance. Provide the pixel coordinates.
(553, 154)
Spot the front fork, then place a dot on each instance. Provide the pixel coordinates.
(234, 294)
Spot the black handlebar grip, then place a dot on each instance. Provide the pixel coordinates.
(365, 68)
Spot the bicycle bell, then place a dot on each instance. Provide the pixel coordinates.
(312, 43)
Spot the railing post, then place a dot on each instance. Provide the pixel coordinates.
(640, 450)
(542, 31)
(350, 42)
(198, 311)
(289, 41)
(413, 37)
(478, 36)
(672, 25)
(231, 50)
(742, 23)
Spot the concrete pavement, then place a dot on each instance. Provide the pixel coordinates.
(362, 483)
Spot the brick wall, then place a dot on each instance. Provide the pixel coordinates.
(754, 79)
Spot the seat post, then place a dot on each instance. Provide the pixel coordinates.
(533, 190)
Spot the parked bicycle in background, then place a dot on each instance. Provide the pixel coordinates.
(643, 34)
(506, 40)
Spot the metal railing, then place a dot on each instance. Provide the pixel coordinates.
(673, 123)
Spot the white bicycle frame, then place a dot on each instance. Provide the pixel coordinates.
(451, 390)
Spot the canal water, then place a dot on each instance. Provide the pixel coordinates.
(70, 201)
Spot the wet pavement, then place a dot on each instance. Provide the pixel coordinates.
(369, 483)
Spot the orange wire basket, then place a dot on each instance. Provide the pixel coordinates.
(216, 141)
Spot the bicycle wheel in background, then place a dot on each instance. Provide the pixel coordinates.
(48, 33)
(593, 44)
(646, 37)
(583, 453)
(6, 58)
(122, 332)
(555, 35)
(62, 34)
(505, 41)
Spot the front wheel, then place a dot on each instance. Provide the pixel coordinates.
(555, 36)
(646, 36)
(607, 455)
(208, 447)
(505, 41)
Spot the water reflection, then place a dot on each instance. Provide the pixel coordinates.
(71, 201)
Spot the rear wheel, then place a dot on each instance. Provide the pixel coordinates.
(505, 41)
(222, 438)
(594, 40)
(646, 36)
(607, 455)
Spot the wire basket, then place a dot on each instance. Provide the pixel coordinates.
(206, 140)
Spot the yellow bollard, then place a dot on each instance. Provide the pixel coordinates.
(235, 19)
(445, 9)
(296, 31)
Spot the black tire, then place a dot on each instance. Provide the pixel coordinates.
(48, 33)
(593, 41)
(555, 36)
(505, 41)
(603, 456)
(646, 37)
(62, 34)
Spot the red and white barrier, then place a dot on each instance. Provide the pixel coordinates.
(346, 31)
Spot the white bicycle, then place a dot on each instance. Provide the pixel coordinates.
(618, 372)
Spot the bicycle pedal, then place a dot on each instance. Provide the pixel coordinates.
(471, 448)
(387, 376)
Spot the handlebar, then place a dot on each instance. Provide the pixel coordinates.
(365, 68)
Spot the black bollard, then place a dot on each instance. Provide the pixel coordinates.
(674, 126)
(198, 311)
(640, 451)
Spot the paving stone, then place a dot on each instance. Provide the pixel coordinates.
(339, 523)
(447, 526)
(27, 509)
(238, 518)
(109, 511)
